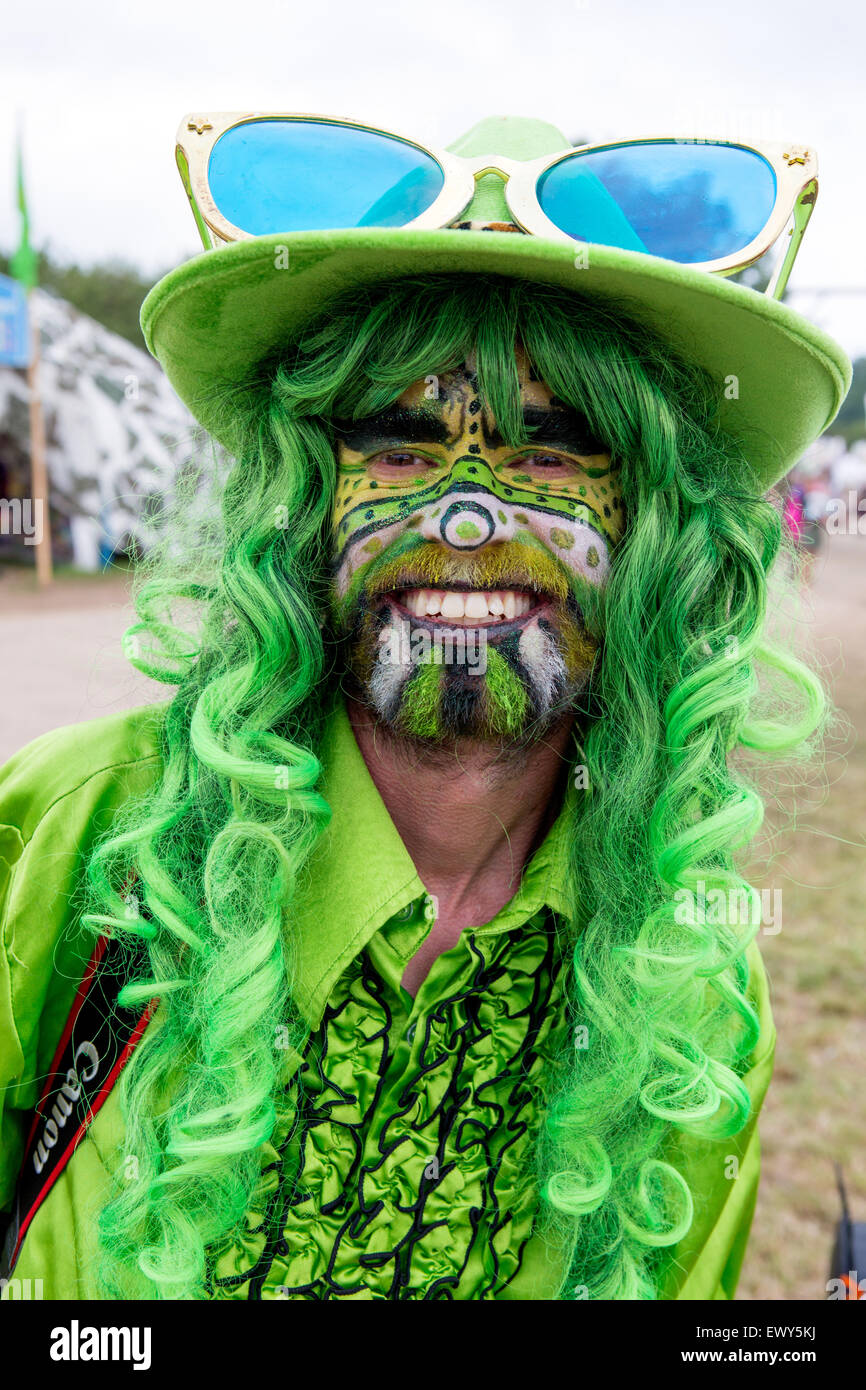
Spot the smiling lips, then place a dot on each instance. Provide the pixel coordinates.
(466, 607)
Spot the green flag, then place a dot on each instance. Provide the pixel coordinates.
(24, 264)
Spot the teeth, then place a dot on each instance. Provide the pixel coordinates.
(476, 606)
(460, 606)
(452, 605)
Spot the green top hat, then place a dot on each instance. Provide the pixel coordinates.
(211, 321)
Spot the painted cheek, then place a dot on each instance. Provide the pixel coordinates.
(605, 499)
(578, 545)
(355, 547)
(597, 499)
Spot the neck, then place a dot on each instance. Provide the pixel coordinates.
(470, 815)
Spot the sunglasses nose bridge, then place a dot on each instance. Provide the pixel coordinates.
(489, 206)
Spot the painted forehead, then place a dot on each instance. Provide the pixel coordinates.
(447, 409)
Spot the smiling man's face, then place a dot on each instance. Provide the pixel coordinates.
(467, 573)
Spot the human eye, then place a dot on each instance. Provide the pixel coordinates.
(400, 465)
(545, 465)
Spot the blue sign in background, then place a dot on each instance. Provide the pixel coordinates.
(14, 334)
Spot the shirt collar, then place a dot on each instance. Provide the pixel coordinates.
(359, 873)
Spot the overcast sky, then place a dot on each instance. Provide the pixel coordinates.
(102, 87)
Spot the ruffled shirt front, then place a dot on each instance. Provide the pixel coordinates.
(405, 1168)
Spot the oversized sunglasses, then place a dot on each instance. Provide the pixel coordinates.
(714, 205)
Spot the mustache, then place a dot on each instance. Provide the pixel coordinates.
(511, 565)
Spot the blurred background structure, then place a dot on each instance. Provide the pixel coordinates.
(116, 435)
(100, 98)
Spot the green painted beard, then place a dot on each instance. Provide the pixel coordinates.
(433, 686)
(509, 679)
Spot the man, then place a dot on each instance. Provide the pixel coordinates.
(436, 978)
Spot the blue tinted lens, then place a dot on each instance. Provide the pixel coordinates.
(687, 202)
(294, 176)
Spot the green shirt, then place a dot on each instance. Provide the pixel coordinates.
(403, 1165)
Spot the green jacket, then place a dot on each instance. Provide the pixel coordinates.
(410, 1173)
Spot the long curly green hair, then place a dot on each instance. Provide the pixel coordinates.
(235, 619)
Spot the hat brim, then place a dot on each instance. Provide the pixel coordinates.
(213, 320)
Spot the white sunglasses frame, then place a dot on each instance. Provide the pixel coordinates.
(795, 168)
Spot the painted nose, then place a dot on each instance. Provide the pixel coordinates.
(466, 524)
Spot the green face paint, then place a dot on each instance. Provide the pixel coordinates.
(457, 529)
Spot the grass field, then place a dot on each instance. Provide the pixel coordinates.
(64, 663)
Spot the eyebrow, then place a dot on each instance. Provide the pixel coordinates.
(559, 427)
(396, 425)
